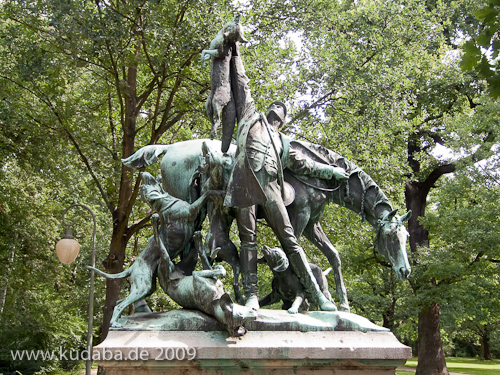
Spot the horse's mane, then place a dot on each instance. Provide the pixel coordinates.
(353, 195)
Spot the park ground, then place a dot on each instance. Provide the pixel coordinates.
(471, 366)
(464, 366)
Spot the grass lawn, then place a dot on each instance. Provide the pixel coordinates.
(473, 366)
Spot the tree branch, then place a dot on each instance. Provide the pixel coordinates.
(145, 95)
(112, 128)
(49, 104)
(133, 198)
(89, 169)
(139, 224)
(429, 182)
(166, 126)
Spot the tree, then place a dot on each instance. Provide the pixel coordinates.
(42, 303)
(378, 82)
(463, 226)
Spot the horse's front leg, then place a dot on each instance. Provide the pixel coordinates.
(218, 239)
(200, 248)
(314, 233)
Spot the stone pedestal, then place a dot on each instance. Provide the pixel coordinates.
(184, 342)
(267, 352)
(142, 348)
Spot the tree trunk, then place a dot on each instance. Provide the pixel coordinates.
(113, 264)
(3, 291)
(388, 315)
(431, 359)
(485, 345)
(121, 214)
(416, 201)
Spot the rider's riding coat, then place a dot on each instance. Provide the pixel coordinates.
(256, 153)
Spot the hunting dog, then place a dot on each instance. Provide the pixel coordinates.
(202, 290)
(286, 286)
(218, 244)
(177, 230)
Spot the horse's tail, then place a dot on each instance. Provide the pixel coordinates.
(120, 275)
(145, 156)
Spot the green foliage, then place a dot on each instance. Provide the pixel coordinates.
(480, 53)
(84, 84)
(43, 305)
(381, 84)
(465, 222)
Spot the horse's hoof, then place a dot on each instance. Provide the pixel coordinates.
(253, 302)
(344, 308)
(328, 306)
(293, 311)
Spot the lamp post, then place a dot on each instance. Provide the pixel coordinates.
(67, 250)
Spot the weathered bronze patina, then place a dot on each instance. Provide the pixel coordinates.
(261, 173)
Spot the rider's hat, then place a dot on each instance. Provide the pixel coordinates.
(279, 108)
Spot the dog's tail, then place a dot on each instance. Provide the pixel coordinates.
(145, 156)
(327, 271)
(120, 275)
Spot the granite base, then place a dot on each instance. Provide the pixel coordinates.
(264, 353)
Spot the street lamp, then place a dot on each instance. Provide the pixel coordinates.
(67, 250)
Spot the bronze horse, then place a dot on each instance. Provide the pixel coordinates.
(184, 167)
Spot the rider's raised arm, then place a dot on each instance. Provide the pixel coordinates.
(245, 106)
(301, 164)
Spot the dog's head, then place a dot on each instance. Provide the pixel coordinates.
(275, 258)
(150, 188)
(233, 31)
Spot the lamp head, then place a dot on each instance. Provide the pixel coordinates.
(67, 248)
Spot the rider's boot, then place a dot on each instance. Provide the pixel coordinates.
(301, 268)
(248, 262)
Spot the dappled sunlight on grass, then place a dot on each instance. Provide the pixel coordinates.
(473, 366)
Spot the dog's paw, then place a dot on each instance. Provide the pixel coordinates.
(213, 134)
(116, 325)
(215, 252)
(244, 313)
(221, 271)
(204, 58)
(293, 310)
(344, 308)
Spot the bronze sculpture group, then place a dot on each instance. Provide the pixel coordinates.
(262, 173)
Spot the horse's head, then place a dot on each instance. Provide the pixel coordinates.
(391, 242)
(216, 164)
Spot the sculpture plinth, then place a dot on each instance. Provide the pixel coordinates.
(189, 342)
